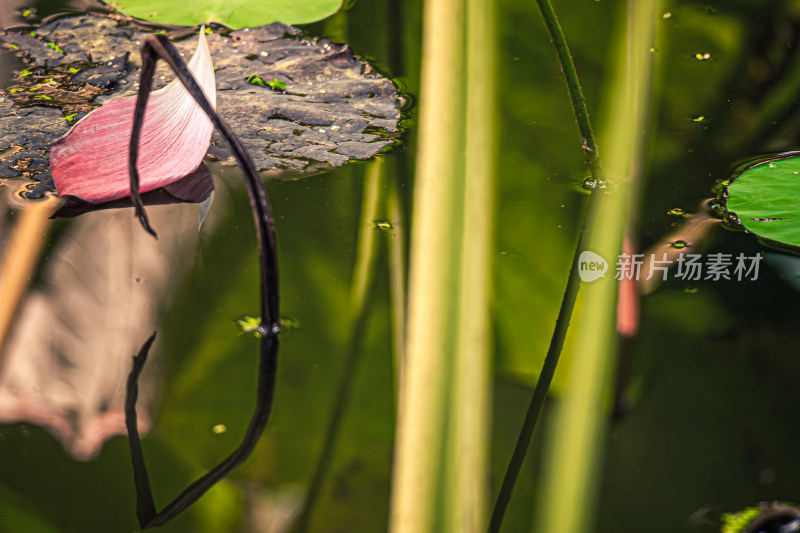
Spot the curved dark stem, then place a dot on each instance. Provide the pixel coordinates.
(145, 507)
(154, 47)
(145, 86)
(159, 46)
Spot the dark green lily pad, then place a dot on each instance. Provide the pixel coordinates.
(333, 107)
(766, 199)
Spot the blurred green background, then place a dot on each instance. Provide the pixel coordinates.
(712, 422)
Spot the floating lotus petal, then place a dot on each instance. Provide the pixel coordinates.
(195, 188)
(90, 162)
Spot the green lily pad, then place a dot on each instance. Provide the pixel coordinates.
(766, 198)
(232, 13)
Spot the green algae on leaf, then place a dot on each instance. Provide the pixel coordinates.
(232, 13)
(254, 79)
(766, 199)
(54, 46)
(274, 83)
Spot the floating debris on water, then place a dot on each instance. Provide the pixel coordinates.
(288, 322)
(731, 220)
(219, 429)
(249, 324)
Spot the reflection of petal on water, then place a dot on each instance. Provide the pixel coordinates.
(272, 511)
(67, 358)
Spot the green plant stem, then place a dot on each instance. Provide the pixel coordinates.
(573, 281)
(423, 491)
(575, 444)
(469, 425)
(574, 88)
(397, 281)
(363, 276)
(545, 378)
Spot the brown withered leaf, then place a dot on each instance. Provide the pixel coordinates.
(333, 107)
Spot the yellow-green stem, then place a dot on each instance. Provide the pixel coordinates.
(440, 457)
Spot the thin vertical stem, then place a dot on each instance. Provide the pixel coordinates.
(468, 449)
(421, 485)
(574, 89)
(543, 384)
(573, 281)
(363, 276)
(575, 446)
(397, 282)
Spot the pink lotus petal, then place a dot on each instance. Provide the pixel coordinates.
(193, 188)
(91, 160)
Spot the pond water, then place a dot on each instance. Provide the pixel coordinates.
(709, 419)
